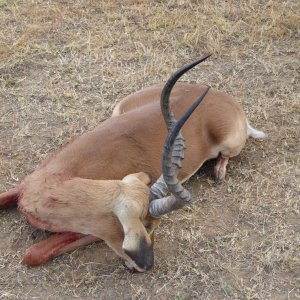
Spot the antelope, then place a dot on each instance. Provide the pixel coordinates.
(130, 143)
(115, 211)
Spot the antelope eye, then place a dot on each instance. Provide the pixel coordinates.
(149, 228)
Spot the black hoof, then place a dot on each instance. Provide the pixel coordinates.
(219, 181)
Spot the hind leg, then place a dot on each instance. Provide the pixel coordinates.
(54, 246)
(9, 198)
(229, 149)
(220, 169)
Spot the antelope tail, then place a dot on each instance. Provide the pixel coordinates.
(257, 134)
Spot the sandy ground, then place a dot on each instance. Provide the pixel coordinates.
(64, 66)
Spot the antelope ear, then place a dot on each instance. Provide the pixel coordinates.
(137, 242)
(142, 176)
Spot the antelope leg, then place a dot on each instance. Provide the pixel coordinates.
(9, 198)
(54, 246)
(220, 169)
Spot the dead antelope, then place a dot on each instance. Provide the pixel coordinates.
(115, 211)
(131, 142)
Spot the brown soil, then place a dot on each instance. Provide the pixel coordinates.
(63, 67)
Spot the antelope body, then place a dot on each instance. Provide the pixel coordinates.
(86, 173)
(218, 128)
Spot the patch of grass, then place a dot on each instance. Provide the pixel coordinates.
(9, 3)
(63, 67)
(178, 297)
(227, 289)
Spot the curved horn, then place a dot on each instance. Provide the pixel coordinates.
(165, 95)
(159, 189)
(180, 196)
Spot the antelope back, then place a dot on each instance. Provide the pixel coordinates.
(133, 141)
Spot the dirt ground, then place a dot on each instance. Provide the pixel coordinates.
(63, 67)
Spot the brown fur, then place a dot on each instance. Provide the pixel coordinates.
(102, 208)
(66, 193)
(218, 126)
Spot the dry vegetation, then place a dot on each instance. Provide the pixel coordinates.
(63, 67)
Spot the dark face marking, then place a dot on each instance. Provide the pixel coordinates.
(143, 256)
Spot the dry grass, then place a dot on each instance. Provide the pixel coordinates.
(64, 66)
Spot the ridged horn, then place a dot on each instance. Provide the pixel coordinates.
(180, 196)
(165, 95)
(159, 189)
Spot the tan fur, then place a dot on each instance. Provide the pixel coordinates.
(101, 208)
(67, 192)
(133, 141)
(219, 124)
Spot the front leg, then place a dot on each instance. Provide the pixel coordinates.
(54, 246)
(10, 197)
